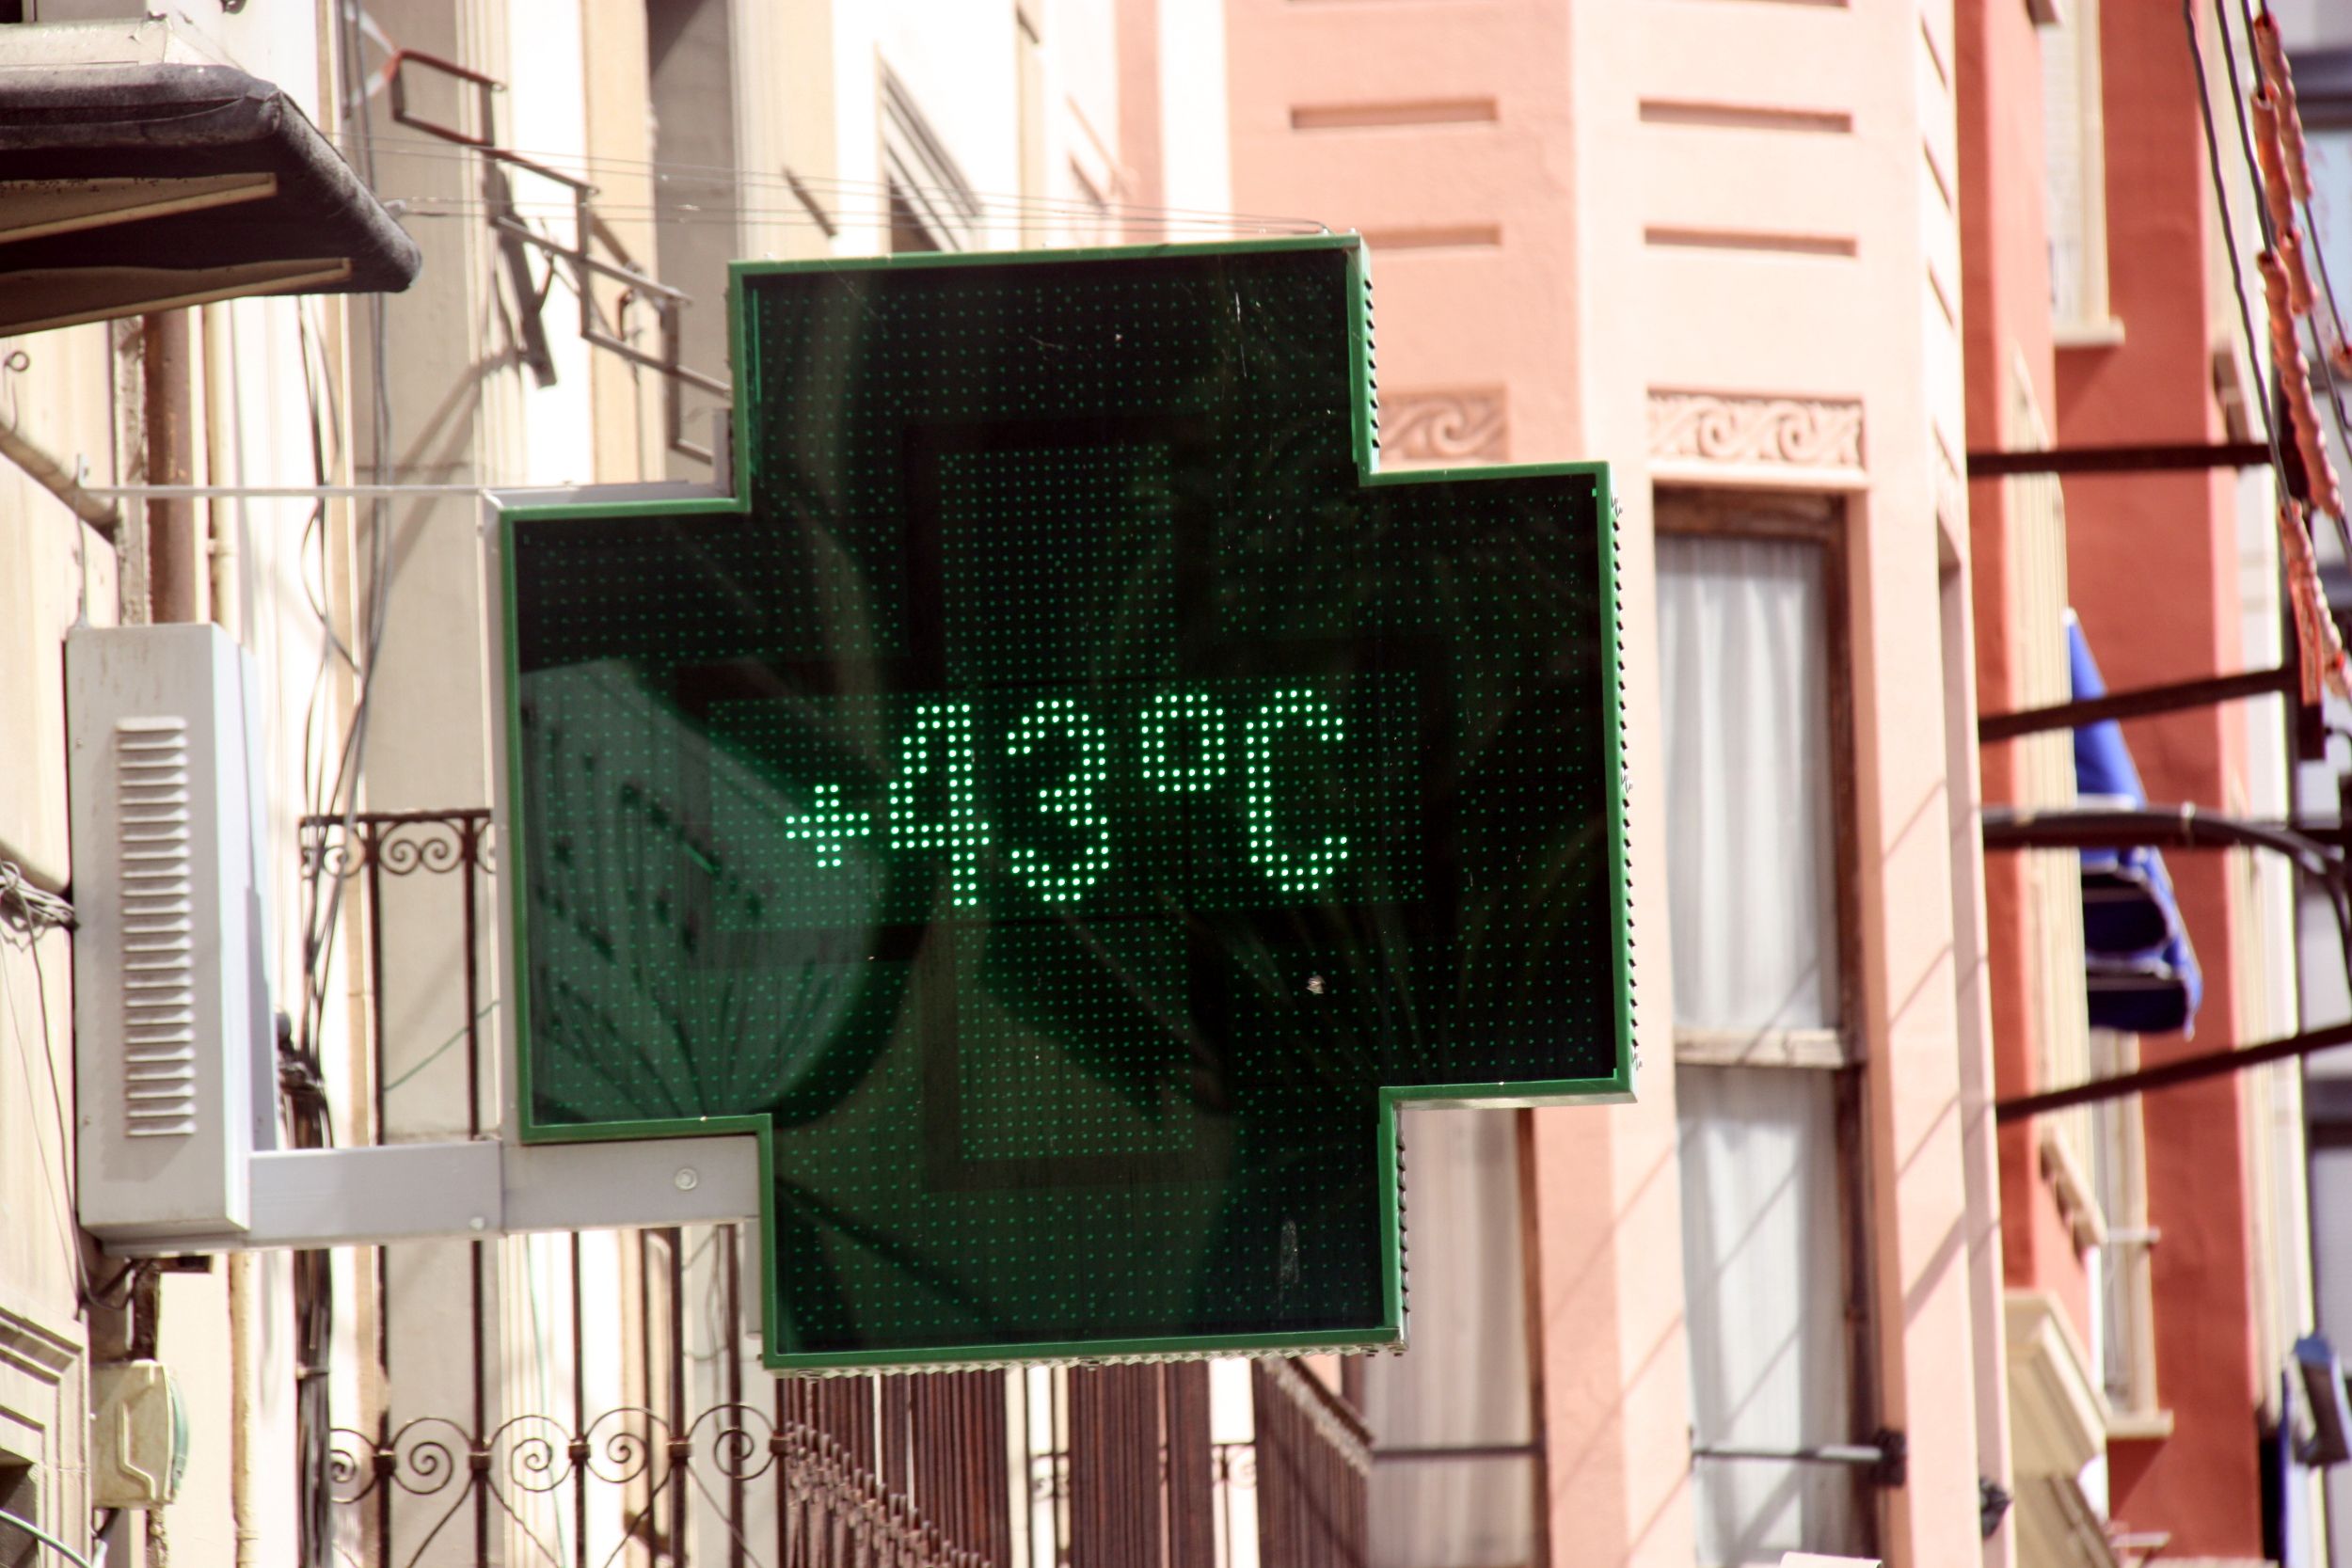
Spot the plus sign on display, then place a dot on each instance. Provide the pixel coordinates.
(1065, 803)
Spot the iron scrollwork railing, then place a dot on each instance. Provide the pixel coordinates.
(828, 1509)
(640, 1444)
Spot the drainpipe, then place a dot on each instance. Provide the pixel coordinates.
(218, 565)
(244, 1397)
(220, 431)
(174, 552)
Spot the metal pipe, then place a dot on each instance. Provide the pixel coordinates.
(2160, 458)
(1827, 1453)
(2136, 703)
(2188, 1070)
(2175, 827)
(174, 589)
(102, 513)
(219, 416)
(46, 1539)
(243, 1388)
(288, 492)
(1407, 1454)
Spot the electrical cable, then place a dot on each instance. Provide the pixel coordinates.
(2228, 235)
(29, 908)
(2280, 95)
(40, 915)
(2289, 510)
(2271, 239)
(19, 1522)
(727, 177)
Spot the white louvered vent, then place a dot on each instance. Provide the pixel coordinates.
(172, 1004)
(152, 802)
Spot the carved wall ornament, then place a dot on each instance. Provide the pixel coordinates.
(1801, 433)
(1442, 427)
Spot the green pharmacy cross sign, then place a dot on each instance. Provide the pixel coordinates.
(1065, 803)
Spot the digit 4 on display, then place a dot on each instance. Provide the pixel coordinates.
(1064, 803)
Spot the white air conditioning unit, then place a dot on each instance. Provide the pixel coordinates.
(173, 1044)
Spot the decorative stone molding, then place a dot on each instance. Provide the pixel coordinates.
(32, 1349)
(1442, 427)
(1715, 428)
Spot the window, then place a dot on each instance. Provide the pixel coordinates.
(1453, 1418)
(20, 1498)
(2123, 1291)
(2074, 172)
(1768, 1123)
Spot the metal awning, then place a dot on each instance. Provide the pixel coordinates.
(130, 188)
(2140, 972)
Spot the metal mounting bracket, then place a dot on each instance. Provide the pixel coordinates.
(469, 1189)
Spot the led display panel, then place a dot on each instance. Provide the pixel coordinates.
(1064, 802)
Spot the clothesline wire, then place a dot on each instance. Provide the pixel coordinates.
(721, 174)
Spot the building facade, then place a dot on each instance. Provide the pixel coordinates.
(1785, 267)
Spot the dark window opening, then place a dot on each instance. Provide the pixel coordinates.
(20, 1498)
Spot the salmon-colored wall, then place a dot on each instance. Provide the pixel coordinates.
(2153, 562)
(2006, 258)
(1607, 212)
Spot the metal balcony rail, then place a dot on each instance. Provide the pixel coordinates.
(596, 1400)
(589, 234)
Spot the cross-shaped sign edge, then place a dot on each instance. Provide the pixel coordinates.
(1616, 1088)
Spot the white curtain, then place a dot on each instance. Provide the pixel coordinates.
(1750, 873)
(1463, 1380)
(1751, 884)
(1765, 1311)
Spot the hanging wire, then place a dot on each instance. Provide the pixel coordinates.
(32, 912)
(2271, 237)
(727, 176)
(2281, 95)
(2228, 234)
(28, 908)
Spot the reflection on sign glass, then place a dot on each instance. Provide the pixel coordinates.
(1065, 803)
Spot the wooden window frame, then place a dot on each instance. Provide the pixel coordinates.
(1814, 519)
(1823, 519)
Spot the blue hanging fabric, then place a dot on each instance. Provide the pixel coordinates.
(2142, 970)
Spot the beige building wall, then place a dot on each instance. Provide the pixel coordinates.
(263, 373)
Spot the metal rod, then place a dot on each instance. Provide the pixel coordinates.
(2160, 458)
(733, 1352)
(675, 1478)
(1467, 1450)
(579, 1419)
(477, 815)
(580, 258)
(2178, 826)
(371, 842)
(2188, 1070)
(469, 863)
(288, 492)
(1827, 1453)
(2136, 704)
(478, 1473)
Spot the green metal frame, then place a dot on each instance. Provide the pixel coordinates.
(1615, 1088)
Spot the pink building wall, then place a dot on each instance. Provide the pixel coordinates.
(1604, 220)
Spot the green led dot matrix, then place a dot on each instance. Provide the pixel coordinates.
(1063, 802)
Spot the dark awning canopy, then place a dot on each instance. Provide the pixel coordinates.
(2141, 971)
(130, 188)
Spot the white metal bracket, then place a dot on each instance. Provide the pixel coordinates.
(323, 1198)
